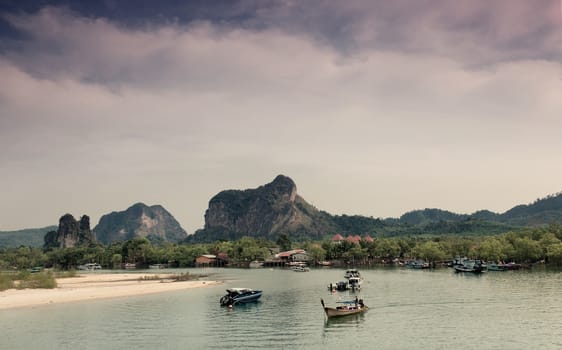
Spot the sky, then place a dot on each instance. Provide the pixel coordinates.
(372, 107)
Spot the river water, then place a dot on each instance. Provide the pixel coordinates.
(409, 309)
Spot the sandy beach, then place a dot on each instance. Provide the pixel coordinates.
(95, 286)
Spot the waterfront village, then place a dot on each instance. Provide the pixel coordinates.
(299, 258)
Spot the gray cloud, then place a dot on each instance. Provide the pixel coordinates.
(473, 32)
(172, 114)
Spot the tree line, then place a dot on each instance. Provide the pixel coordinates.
(526, 246)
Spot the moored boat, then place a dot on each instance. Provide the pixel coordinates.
(470, 265)
(492, 266)
(256, 264)
(512, 266)
(300, 268)
(157, 266)
(417, 264)
(354, 279)
(338, 286)
(240, 296)
(347, 308)
(354, 283)
(352, 273)
(89, 266)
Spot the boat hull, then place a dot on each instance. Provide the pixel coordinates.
(334, 312)
(300, 269)
(348, 309)
(248, 299)
(472, 266)
(231, 300)
(460, 269)
(496, 267)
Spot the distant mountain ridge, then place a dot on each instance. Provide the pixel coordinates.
(276, 208)
(139, 220)
(541, 211)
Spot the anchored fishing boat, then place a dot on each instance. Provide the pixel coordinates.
(469, 265)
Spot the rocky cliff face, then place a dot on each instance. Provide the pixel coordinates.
(266, 211)
(140, 220)
(71, 233)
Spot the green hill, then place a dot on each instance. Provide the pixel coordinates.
(275, 208)
(32, 237)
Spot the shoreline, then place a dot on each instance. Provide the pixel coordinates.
(91, 287)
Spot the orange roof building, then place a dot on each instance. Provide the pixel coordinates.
(353, 239)
(368, 238)
(337, 238)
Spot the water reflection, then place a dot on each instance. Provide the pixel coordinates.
(468, 275)
(343, 322)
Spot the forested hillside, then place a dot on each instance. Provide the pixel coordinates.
(32, 237)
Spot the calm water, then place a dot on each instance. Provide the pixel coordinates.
(409, 309)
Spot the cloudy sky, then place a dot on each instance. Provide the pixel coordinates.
(372, 107)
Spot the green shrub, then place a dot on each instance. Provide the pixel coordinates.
(45, 280)
(6, 282)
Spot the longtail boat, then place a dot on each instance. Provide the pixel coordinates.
(347, 308)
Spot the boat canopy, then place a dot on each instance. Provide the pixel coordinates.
(239, 290)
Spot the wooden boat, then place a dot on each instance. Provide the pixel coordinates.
(496, 267)
(502, 267)
(240, 296)
(513, 266)
(347, 308)
(474, 266)
(300, 268)
(417, 264)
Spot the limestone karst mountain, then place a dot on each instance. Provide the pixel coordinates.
(266, 211)
(70, 233)
(139, 220)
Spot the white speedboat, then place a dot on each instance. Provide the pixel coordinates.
(352, 273)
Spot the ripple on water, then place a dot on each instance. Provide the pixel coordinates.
(408, 309)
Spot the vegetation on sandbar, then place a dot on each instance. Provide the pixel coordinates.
(27, 280)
